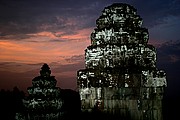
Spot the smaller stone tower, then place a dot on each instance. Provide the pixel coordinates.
(44, 101)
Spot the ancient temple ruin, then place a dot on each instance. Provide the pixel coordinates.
(44, 101)
(121, 77)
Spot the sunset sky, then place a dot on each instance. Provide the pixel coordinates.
(56, 32)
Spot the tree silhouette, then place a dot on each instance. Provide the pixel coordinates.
(10, 103)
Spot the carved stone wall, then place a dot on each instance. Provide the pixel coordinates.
(121, 77)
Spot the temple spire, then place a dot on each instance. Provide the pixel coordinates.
(45, 70)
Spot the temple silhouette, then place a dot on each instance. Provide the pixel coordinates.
(44, 101)
(120, 79)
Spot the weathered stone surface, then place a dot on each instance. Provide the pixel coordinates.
(121, 76)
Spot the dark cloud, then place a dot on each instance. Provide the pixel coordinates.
(166, 31)
(75, 58)
(58, 40)
(74, 67)
(16, 37)
(25, 16)
(69, 67)
(32, 16)
(154, 12)
(168, 59)
(169, 52)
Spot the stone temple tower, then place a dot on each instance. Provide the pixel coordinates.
(44, 101)
(120, 76)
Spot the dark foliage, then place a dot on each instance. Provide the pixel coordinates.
(72, 104)
(10, 103)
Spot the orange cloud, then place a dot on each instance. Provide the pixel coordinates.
(43, 49)
(83, 34)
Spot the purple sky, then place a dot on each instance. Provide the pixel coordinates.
(57, 32)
